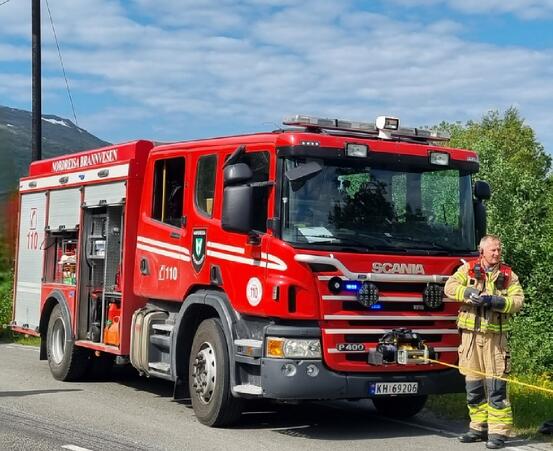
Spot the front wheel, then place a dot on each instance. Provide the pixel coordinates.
(400, 406)
(67, 362)
(209, 377)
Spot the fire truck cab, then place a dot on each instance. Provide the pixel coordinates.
(305, 263)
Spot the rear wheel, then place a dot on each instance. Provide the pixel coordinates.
(209, 377)
(67, 362)
(400, 406)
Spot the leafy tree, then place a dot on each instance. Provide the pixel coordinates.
(520, 211)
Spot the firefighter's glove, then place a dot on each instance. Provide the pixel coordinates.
(470, 294)
(477, 300)
(496, 303)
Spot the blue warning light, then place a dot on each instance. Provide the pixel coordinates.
(351, 286)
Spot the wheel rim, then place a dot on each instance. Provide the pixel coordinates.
(58, 341)
(204, 372)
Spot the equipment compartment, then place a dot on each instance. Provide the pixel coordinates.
(61, 257)
(100, 274)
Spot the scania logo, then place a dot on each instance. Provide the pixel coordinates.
(398, 268)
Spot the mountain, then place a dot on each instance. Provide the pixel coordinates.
(59, 136)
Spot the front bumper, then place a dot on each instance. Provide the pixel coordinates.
(328, 384)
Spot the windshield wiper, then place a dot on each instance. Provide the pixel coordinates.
(339, 242)
(433, 244)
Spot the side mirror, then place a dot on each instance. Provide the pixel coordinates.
(237, 208)
(236, 174)
(480, 219)
(482, 190)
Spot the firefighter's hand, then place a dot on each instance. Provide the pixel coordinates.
(470, 293)
(494, 302)
(476, 300)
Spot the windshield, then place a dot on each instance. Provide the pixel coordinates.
(349, 204)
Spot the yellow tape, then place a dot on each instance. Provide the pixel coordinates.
(488, 376)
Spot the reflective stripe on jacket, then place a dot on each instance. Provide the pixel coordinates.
(478, 318)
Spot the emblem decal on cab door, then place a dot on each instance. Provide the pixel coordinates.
(198, 248)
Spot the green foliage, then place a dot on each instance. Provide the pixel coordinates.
(521, 213)
(6, 286)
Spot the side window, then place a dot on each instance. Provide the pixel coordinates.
(205, 183)
(168, 190)
(259, 164)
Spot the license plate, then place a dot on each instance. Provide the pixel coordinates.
(394, 388)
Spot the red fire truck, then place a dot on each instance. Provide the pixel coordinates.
(306, 263)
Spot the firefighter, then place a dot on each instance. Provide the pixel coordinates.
(489, 293)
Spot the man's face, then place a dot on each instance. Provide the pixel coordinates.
(491, 252)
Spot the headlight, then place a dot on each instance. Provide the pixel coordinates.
(293, 348)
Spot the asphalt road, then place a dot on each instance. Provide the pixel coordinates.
(130, 412)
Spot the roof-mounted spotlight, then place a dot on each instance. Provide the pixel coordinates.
(386, 125)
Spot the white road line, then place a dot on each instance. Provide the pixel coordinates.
(75, 448)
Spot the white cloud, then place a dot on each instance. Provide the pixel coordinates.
(250, 62)
(526, 9)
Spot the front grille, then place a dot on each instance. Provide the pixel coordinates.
(415, 306)
(391, 324)
(401, 287)
(400, 305)
(373, 338)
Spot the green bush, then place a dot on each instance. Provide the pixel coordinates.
(521, 212)
(6, 292)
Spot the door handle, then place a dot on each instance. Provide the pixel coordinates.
(175, 235)
(144, 267)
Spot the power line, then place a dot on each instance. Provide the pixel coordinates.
(61, 63)
(4, 2)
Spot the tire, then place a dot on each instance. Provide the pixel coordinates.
(209, 377)
(67, 362)
(399, 406)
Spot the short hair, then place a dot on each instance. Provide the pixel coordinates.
(487, 238)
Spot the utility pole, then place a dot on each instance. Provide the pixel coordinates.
(36, 133)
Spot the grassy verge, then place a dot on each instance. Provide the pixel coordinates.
(530, 407)
(26, 340)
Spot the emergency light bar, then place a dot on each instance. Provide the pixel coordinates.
(385, 127)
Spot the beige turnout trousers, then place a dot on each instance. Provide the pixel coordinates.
(489, 407)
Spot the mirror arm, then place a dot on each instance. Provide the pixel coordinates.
(254, 238)
(261, 184)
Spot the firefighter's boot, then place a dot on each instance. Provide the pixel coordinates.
(495, 442)
(473, 436)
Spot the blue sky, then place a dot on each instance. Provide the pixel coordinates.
(181, 69)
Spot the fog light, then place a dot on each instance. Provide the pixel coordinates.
(289, 370)
(312, 370)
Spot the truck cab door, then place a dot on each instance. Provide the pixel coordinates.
(161, 253)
